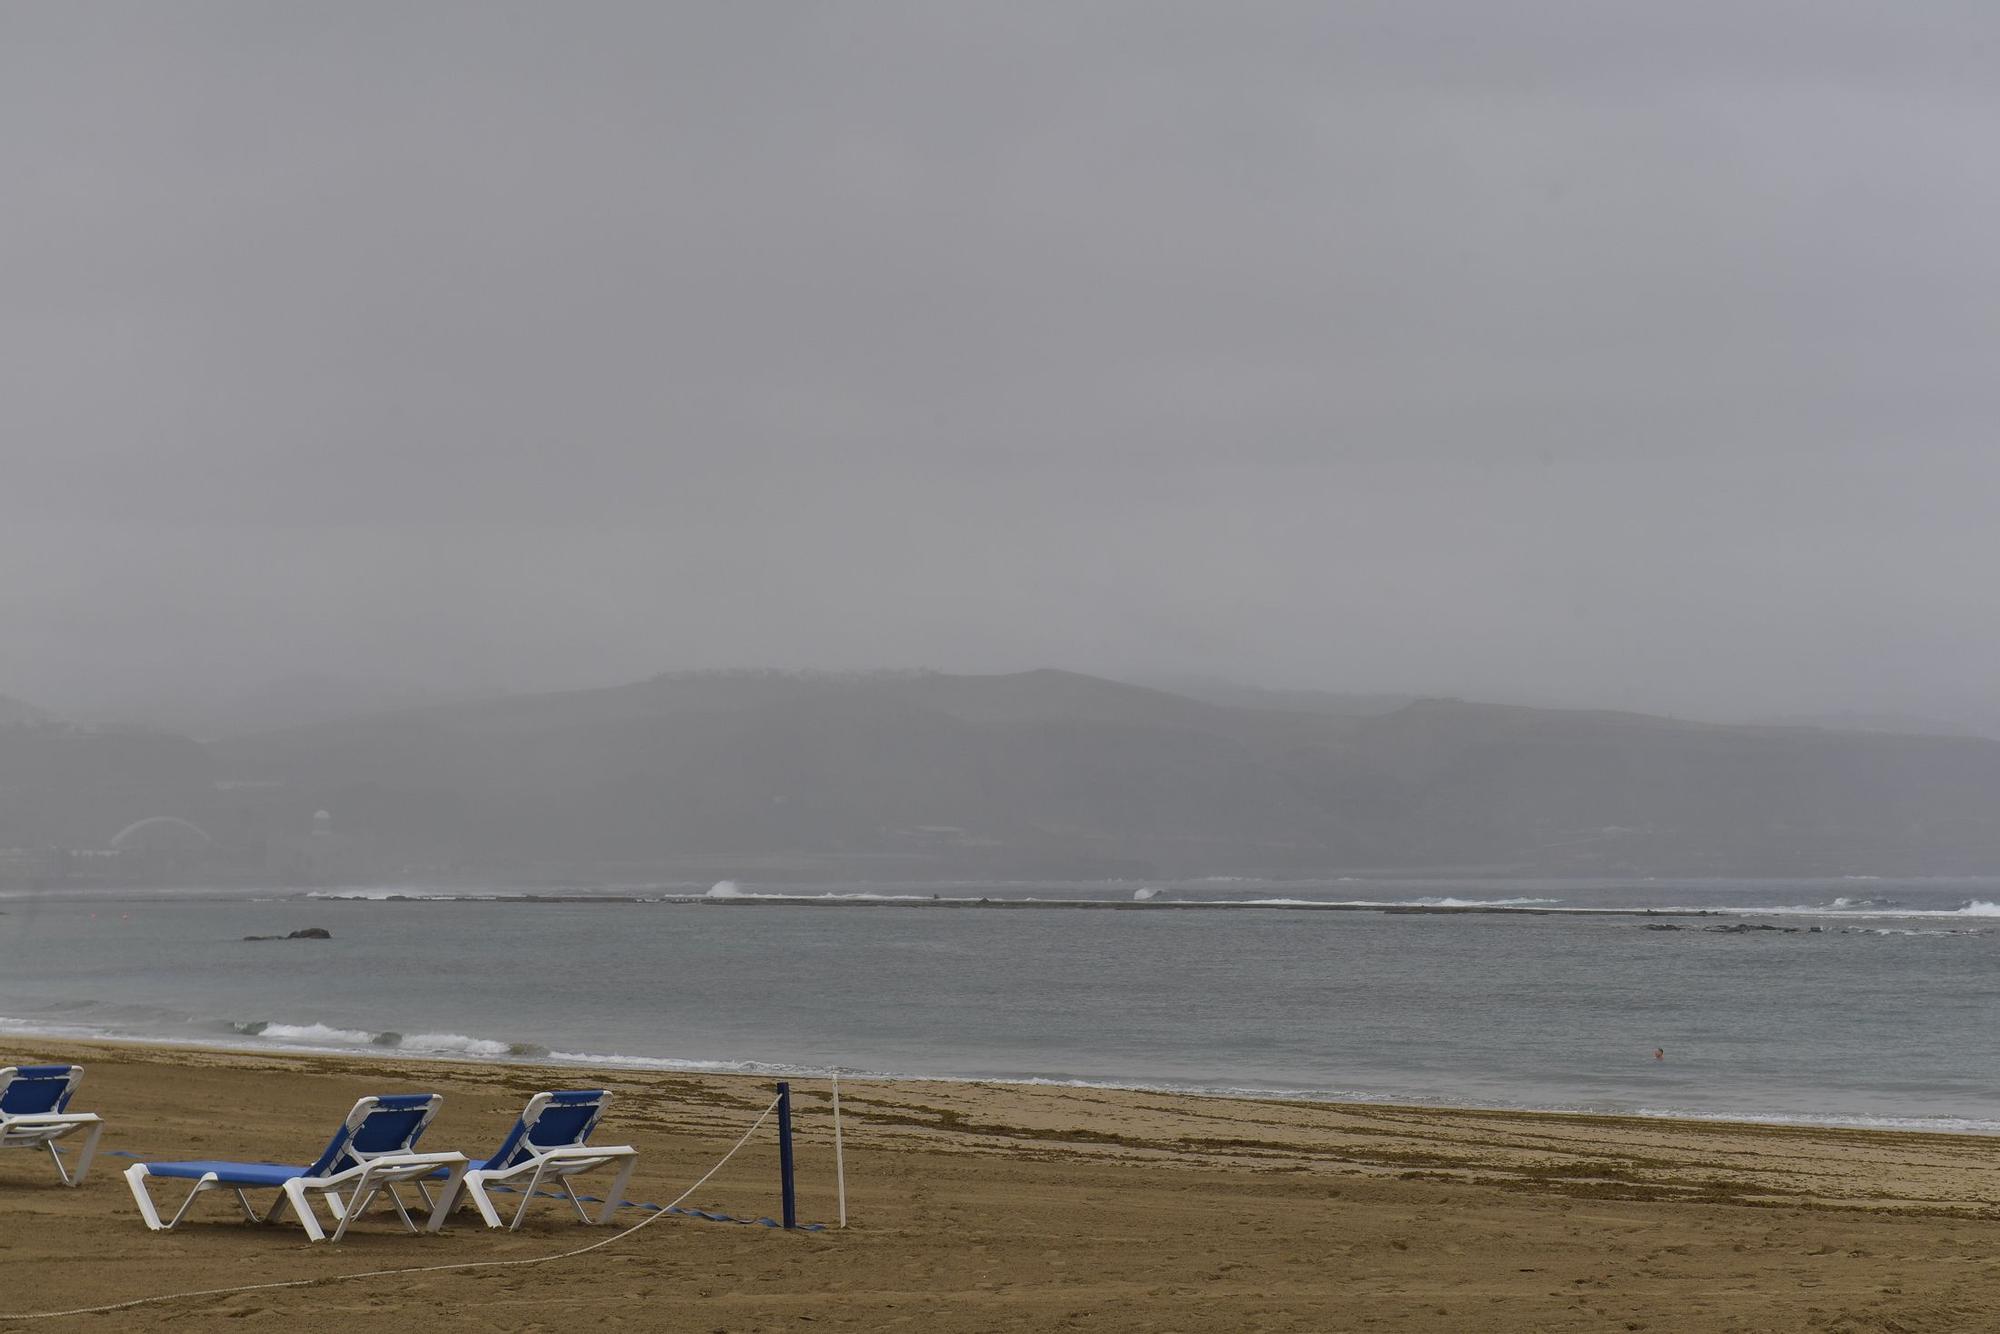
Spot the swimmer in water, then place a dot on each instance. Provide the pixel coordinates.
(1659, 1053)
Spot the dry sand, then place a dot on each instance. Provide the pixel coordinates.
(981, 1207)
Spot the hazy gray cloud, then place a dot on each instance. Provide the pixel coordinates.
(1627, 354)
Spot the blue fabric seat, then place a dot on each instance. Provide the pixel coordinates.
(34, 1114)
(230, 1174)
(374, 1150)
(549, 1142)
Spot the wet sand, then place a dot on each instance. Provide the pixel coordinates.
(988, 1207)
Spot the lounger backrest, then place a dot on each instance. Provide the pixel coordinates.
(552, 1121)
(391, 1123)
(37, 1090)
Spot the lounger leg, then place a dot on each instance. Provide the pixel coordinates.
(55, 1156)
(475, 1186)
(618, 1188)
(206, 1182)
(87, 1155)
(364, 1195)
(447, 1197)
(249, 1210)
(528, 1195)
(295, 1191)
(135, 1177)
(574, 1202)
(277, 1214)
(401, 1212)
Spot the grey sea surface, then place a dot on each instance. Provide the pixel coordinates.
(1871, 1002)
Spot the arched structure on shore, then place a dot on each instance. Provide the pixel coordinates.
(162, 831)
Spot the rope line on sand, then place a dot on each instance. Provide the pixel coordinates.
(647, 1221)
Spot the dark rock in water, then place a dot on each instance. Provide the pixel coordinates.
(1739, 928)
(304, 933)
(1661, 926)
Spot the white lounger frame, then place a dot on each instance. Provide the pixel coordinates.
(557, 1164)
(43, 1129)
(378, 1176)
(374, 1174)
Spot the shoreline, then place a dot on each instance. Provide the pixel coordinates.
(581, 1064)
(509, 1068)
(977, 1207)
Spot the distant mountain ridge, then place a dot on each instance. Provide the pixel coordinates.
(1037, 774)
(1051, 767)
(1221, 690)
(1905, 724)
(14, 712)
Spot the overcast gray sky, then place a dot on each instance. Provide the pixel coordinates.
(1615, 354)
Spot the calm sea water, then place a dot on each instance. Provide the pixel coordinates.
(1885, 1014)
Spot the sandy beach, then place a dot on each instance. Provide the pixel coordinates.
(983, 1207)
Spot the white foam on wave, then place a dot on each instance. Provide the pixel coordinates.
(1913, 931)
(306, 1033)
(456, 1044)
(1949, 1125)
(1850, 909)
(690, 1065)
(729, 889)
(1483, 903)
(1388, 903)
(1290, 903)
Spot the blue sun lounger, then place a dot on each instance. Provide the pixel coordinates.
(34, 1114)
(371, 1153)
(547, 1145)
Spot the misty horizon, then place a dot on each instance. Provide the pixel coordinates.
(1629, 359)
(217, 709)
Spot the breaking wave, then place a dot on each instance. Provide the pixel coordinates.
(1442, 902)
(1862, 908)
(429, 1044)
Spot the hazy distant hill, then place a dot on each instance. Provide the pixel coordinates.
(1907, 724)
(1221, 690)
(1040, 768)
(1573, 788)
(67, 786)
(14, 712)
(292, 701)
(1042, 771)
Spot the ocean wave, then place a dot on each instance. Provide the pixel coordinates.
(726, 890)
(1435, 902)
(1912, 931)
(445, 1045)
(402, 895)
(460, 1044)
(1852, 908)
(440, 1044)
(263, 1028)
(1945, 1125)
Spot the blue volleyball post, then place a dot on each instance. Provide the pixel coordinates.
(791, 1213)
